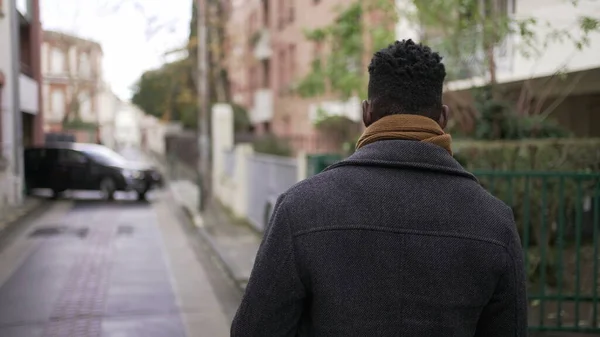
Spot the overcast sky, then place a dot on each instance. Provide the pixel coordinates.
(134, 34)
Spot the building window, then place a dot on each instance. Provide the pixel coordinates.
(85, 65)
(266, 74)
(57, 61)
(85, 106)
(282, 71)
(58, 103)
(266, 13)
(292, 61)
(281, 14)
(505, 8)
(291, 11)
(253, 79)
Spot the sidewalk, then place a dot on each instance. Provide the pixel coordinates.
(10, 215)
(234, 243)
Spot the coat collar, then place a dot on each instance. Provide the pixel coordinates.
(405, 154)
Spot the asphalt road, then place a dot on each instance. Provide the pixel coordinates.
(86, 267)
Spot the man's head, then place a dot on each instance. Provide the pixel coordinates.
(406, 78)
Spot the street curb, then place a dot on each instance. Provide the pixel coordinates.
(198, 224)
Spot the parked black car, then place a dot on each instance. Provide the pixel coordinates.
(76, 166)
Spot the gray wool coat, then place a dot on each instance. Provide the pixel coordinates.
(396, 240)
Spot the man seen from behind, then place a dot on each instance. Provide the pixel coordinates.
(396, 240)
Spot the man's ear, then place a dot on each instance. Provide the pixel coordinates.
(366, 112)
(443, 121)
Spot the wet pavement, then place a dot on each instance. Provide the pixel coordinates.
(124, 268)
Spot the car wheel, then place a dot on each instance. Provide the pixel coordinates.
(57, 192)
(142, 195)
(108, 188)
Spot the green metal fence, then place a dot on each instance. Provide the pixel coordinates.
(319, 162)
(557, 214)
(558, 217)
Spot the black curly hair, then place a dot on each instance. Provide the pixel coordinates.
(406, 78)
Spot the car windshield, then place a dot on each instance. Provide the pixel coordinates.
(106, 156)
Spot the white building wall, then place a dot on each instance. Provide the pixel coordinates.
(128, 125)
(10, 184)
(564, 56)
(108, 105)
(562, 15)
(28, 94)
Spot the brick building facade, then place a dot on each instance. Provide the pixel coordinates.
(72, 69)
(268, 55)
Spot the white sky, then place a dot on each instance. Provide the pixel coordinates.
(124, 33)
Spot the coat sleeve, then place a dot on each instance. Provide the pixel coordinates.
(273, 301)
(506, 313)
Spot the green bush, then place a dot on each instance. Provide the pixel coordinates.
(581, 155)
(271, 144)
(78, 124)
(498, 120)
(241, 120)
(541, 203)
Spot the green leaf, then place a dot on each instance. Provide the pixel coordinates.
(589, 24)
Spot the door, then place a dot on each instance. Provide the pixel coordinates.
(40, 168)
(56, 171)
(35, 176)
(77, 166)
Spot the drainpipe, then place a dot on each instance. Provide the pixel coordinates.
(16, 65)
(2, 79)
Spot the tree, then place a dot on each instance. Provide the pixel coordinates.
(342, 49)
(167, 93)
(358, 31)
(468, 33)
(81, 76)
(217, 19)
(158, 91)
(471, 34)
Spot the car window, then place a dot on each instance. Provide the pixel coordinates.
(71, 157)
(36, 156)
(106, 157)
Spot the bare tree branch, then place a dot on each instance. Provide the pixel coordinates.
(564, 94)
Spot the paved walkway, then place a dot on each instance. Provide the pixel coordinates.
(234, 242)
(89, 268)
(11, 214)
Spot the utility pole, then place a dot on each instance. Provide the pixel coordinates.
(203, 107)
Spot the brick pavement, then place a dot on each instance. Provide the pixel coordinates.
(98, 269)
(79, 309)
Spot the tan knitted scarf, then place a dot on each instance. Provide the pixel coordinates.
(408, 127)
